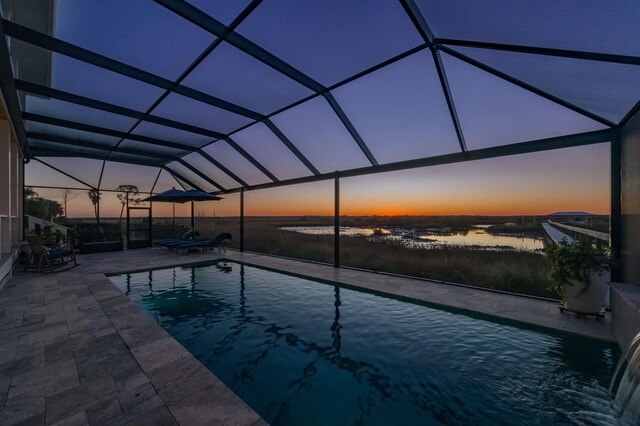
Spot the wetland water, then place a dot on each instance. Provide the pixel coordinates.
(426, 238)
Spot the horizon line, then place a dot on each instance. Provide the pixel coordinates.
(342, 215)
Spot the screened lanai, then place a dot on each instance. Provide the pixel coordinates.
(346, 139)
(235, 96)
(227, 95)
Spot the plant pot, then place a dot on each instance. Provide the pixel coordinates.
(592, 300)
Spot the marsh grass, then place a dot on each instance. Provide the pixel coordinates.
(512, 271)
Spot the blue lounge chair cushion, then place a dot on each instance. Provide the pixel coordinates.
(60, 252)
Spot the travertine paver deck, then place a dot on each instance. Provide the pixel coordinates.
(75, 350)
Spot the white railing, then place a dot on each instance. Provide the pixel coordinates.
(555, 234)
(33, 221)
(603, 236)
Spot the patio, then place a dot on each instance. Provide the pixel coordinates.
(76, 350)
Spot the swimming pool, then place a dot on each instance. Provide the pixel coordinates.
(301, 352)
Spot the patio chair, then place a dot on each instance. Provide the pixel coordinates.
(219, 242)
(51, 258)
(168, 242)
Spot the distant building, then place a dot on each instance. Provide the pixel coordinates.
(575, 218)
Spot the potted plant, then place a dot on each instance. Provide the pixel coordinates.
(580, 274)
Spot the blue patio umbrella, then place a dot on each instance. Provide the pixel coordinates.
(178, 196)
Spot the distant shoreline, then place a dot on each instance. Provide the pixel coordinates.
(514, 216)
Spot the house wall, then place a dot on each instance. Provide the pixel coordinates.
(11, 179)
(625, 296)
(630, 223)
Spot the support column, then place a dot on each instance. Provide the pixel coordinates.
(336, 224)
(98, 217)
(15, 191)
(615, 221)
(150, 223)
(21, 223)
(242, 219)
(193, 222)
(128, 220)
(5, 187)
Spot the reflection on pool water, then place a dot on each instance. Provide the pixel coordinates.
(300, 352)
(476, 237)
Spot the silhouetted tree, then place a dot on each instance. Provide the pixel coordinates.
(126, 195)
(54, 209)
(42, 208)
(29, 192)
(67, 194)
(94, 196)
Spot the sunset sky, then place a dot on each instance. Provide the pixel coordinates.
(540, 183)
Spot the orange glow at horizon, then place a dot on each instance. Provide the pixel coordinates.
(572, 179)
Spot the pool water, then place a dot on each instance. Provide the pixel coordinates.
(301, 352)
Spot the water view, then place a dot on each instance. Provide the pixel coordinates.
(477, 237)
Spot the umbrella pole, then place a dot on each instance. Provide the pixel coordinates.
(173, 222)
(193, 226)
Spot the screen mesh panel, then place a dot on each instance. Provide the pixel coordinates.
(265, 147)
(73, 112)
(317, 131)
(152, 148)
(607, 89)
(236, 163)
(139, 33)
(317, 86)
(159, 131)
(135, 159)
(116, 174)
(244, 80)
(598, 26)
(85, 169)
(166, 182)
(81, 78)
(203, 165)
(38, 174)
(184, 185)
(400, 110)
(56, 149)
(224, 11)
(191, 177)
(494, 112)
(73, 134)
(189, 111)
(331, 39)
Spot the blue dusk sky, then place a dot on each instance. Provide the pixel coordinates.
(399, 110)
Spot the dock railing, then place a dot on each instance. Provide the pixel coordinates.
(574, 231)
(555, 235)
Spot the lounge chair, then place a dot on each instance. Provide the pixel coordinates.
(52, 258)
(166, 242)
(219, 242)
